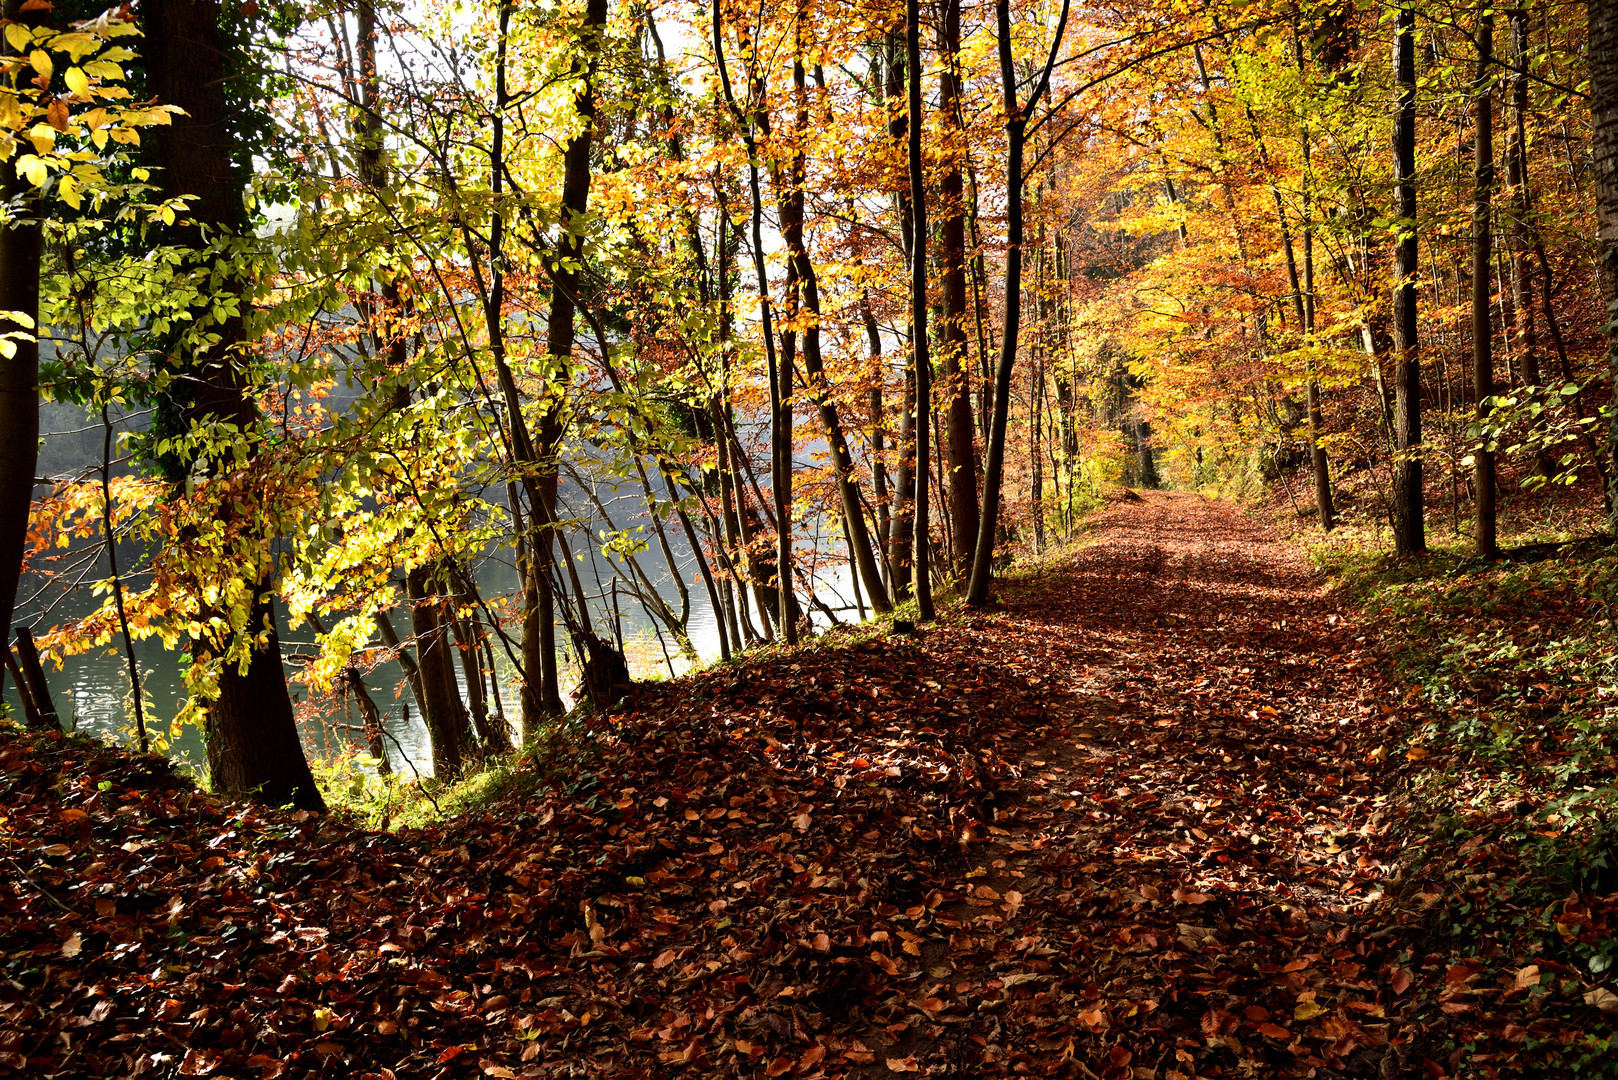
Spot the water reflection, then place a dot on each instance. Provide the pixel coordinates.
(91, 691)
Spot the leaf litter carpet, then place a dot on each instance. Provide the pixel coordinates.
(1125, 825)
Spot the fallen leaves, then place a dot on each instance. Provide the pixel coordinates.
(815, 862)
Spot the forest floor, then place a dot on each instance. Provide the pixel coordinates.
(1146, 818)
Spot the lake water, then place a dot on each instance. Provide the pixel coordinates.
(91, 692)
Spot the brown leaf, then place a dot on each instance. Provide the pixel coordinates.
(904, 1064)
(198, 1063)
(1603, 999)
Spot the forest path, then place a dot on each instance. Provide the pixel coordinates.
(1200, 824)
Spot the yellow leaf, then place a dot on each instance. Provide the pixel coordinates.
(18, 37)
(33, 167)
(77, 81)
(1307, 1010)
(41, 62)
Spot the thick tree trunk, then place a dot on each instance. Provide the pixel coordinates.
(960, 450)
(20, 250)
(253, 745)
(1482, 294)
(252, 735)
(1603, 47)
(1409, 526)
(20, 247)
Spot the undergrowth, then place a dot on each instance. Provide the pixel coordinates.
(1512, 724)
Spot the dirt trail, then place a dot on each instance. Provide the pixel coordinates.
(1201, 822)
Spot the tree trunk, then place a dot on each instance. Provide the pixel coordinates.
(1482, 294)
(960, 450)
(1526, 345)
(900, 549)
(20, 250)
(1603, 48)
(252, 735)
(790, 207)
(1317, 427)
(1016, 136)
(920, 353)
(879, 468)
(1409, 526)
(31, 675)
(445, 716)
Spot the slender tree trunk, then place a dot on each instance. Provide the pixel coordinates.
(406, 660)
(252, 735)
(1036, 478)
(559, 332)
(901, 535)
(879, 468)
(1482, 267)
(1522, 289)
(780, 375)
(1317, 427)
(1409, 527)
(994, 457)
(920, 353)
(1603, 50)
(960, 450)
(1016, 137)
(790, 200)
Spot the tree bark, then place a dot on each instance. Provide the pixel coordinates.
(900, 535)
(21, 246)
(1409, 526)
(1484, 526)
(252, 735)
(1603, 51)
(960, 449)
(445, 716)
(920, 353)
(1016, 136)
(790, 200)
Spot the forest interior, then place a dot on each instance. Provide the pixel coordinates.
(798, 538)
